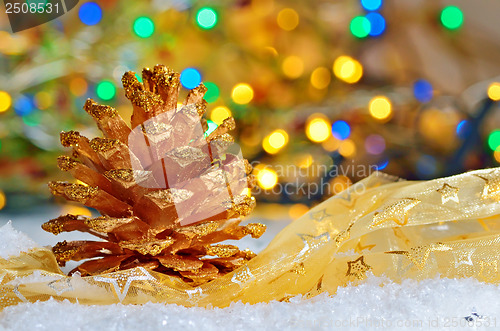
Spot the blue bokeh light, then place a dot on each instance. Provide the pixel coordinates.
(90, 13)
(463, 129)
(377, 24)
(371, 4)
(190, 78)
(341, 130)
(422, 90)
(382, 164)
(24, 106)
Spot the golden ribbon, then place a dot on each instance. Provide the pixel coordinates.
(381, 225)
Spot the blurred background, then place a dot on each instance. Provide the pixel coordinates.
(405, 87)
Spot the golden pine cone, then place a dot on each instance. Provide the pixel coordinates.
(158, 185)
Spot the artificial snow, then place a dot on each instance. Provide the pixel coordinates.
(376, 304)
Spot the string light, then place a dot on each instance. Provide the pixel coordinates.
(219, 114)
(212, 93)
(494, 91)
(347, 69)
(5, 101)
(360, 27)
(288, 19)
(293, 66)
(267, 178)
(341, 130)
(90, 13)
(23, 106)
(274, 142)
(494, 140)
(452, 17)
(377, 24)
(106, 90)
(347, 148)
(242, 94)
(371, 4)
(422, 90)
(143, 27)
(190, 78)
(317, 128)
(211, 127)
(380, 108)
(206, 18)
(320, 78)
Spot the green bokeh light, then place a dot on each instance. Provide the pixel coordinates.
(106, 90)
(144, 27)
(360, 27)
(212, 92)
(452, 17)
(206, 18)
(494, 140)
(33, 119)
(211, 127)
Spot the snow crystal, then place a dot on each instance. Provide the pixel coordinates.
(13, 242)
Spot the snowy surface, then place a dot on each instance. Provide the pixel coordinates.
(436, 304)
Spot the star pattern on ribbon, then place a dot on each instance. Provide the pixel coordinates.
(448, 193)
(311, 243)
(464, 258)
(419, 255)
(242, 276)
(491, 189)
(195, 295)
(121, 281)
(320, 215)
(396, 212)
(489, 270)
(357, 268)
(360, 248)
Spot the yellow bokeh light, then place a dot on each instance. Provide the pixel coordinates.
(247, 191)
(76, 210)
(288, 19)
(267, 178)
(297, 210)
(318, 128)
(3, 200)
(494, 91)
(242, 94)
(331, 144)
(380, 107)
(43, 100)
(497, 155)
(5, 101)
(339, 184)
(347, 69)
(305, 161)
(347, 148)
(275, 141)
(262, 7)
(320, 78)
(293, 66)
(219, 114)
(78, 86)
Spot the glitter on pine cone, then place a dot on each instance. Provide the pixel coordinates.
(166, 201)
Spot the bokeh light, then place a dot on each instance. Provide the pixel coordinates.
(190, 78)
(377, 24)
(320, 78)
(360, 27)
(23, 106)
(106, 90)
(341, 130)
(494, 140)
(331, 144)
(212, 93)
(452, 17)
(219, 114)
(211, 127)
(242, 94)
(494, 91)
(347, 148)
(90, 13)
(5, 101)
(339, 184)
(463, 129)
(274, 142)
(317, 128)
(206, 18)
(43, 100)
(375, 144)
(380, 107)
(78, 86)
(496, 155)
(267, 178)
(143, 27)
(371, 4)
(422, 90)
(3, 200)
(293, 66)
(347, 69)
(297, 210)
(288, 19)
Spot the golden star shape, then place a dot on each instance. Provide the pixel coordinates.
(491, 189)
(359, 247)
(357, 268)
(311, 243)
(448, 193)
(418, 255)
(396, 212)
